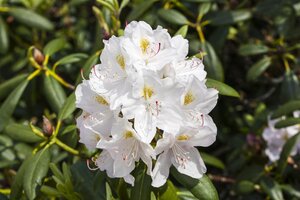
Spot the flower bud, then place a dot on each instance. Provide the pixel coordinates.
(47, 127)
(38, 56)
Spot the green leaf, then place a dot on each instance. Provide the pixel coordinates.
(286, 109)
(7, 86)
(213, 65)
(290, 190)
(258, 68)
(222, 88)
(30, 18)
(35, 171)
(54, 93)
(253, 49)
(290, 87)
(272, 188)
(245, 187)
(230, 17)
(184, 194)
(142, 184)
(17, 186)
(72, 58)
(91, 185)
(67, 108)
(202, 188)
(286, 151)
(54, 45)
(4, 40)
(204, 8)
(50, 191)
(182, 31)
(212, 160)
(173, 16)
(22, 133)
(287, 122)
(9, 105)
(140, 9)
(167, 192)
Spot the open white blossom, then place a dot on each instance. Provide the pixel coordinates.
(276, 138)
(146, 99)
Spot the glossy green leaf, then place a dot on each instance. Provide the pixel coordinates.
(140, 9)
(253, 49)
(50, 191)
(54, 45)
(67, 108)
(22, 133)
(91, 185)
(204, 8)
(9, 105)
(212, 63)
(17, 186)
(172, 16)
(35, 172)
(258, 68)
(182, 31)
(142, 184)
(212, 160)
(167, 192)
(72, 58)
(286, 151)
(230, 17)
(290, 190)
(4, 40)
(287, 122)
(286, 109)
(54, 93)
(7, 86)
(202, 188)
(31, 18)
(272, 188)
(290, 87)
(222, 88)
(184, 194)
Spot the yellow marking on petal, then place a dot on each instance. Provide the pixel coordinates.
(121, 61)
(101, 100)
(98, 138)
(285, 136)
(147, 92)
(183, 137)
(144, 44)
(128, 134)
(188, 98)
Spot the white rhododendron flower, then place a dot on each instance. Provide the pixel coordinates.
(146, 101)
(276, 138)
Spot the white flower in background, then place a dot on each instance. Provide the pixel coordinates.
(146, 93)
(179, 150)
(276, 138)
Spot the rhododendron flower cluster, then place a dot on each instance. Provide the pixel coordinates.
(147, 102)
(276, 138)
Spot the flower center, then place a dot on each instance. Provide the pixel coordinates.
(101, 100)
(121, 61)
(188, 98)
(183, 137)
(147, 92)
(128, 134)
(144, 44)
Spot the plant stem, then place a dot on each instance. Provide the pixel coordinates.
(65, 147)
